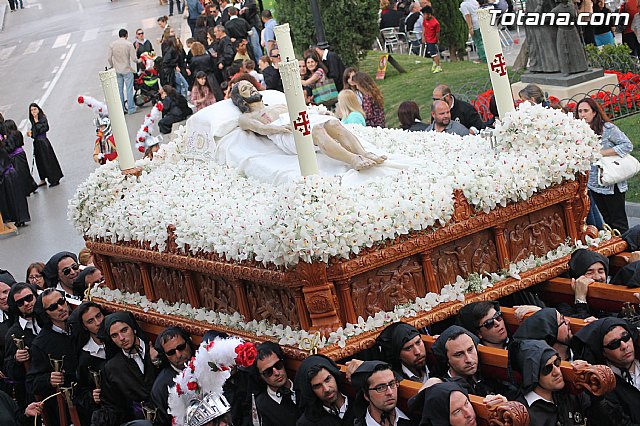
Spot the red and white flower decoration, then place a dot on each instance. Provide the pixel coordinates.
(150, 120)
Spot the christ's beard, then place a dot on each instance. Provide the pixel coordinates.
(254, 98)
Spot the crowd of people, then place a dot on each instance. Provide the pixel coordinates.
(52, 339)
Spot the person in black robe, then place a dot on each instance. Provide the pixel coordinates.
(6, 281)
(22, 300)
(585, 267)
(174, 108)
(334, 64)
(621, 406)
(11, 414)
(456, 339)
(13, 201)
(377, 387)
(175, 348)
(53, 342)
(628, 275)
(85, 322)
(484, 319)
(632, 237)
(543, 387)
(60, 271)
(437, 402)
(15, 147)
(550, 326)
(324, 404)
(275, 399)
(46, 160)
(127, 377)
(402, 347)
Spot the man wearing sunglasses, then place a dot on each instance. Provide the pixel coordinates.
(550, 326)
(611, 341)
(54, 342)
(60, 272)
(276, 405)
(22, 299)
(174, 348)
(377, 387)
(484, 319)
(543, 387)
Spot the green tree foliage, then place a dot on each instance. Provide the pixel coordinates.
(350, 26)
(453, 28)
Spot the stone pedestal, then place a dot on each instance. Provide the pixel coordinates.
(565, 88)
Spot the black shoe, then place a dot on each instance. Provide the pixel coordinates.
(51, 185)
(20, 224)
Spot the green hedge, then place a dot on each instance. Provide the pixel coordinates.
(454, 32)
(350, 26)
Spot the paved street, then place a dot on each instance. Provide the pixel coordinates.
(50, 53)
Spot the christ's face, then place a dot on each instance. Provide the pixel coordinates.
(248, 92)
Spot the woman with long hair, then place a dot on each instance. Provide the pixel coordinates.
(14, 146)
(316, 70)
(409, 116)
(349, 110)
(35, 275)
(175, 108)
(201, 93)
(46, 160)
(202, 61)
(372, 99)
(609, 199)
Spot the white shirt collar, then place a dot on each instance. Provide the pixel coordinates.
(325, 54)
(532, 397)
(31, 324)
(342, 411)
(415, 378)
(138, 357)
(635, 374)
(278, 398)
(3, 316)
(59, 330)
(370, 421)
(95, 349)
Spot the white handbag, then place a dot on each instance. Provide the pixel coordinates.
(615, 169)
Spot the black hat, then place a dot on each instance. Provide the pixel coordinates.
(528, 357)
(632, 237)
(393, 338)
(469, 315)
(50, 270)
(587, 342)
(7, 278)
(439, 346)
(629, 275)
(364, 371)
(434, 403)
(582, 259)
(542, 325)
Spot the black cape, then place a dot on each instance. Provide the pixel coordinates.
(632, 237)
(13, 198)
(46, 160)
(527, 357)
(13, 142)
(13, 369)
(433, 403)
(160, 395)
(567, 410)
(629, 275)
(542, 325)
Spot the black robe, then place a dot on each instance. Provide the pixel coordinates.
(273, 414)
(58, 345)
(568, 410)
(14, 145)
(272, 78)
(620, 407)
(11, 414)
(123, 386)
(83, 395)
(4, 326)
(160, 395)
(46, 160)
(14, 370)
(13, 201)
(336, 68)
(315, 415)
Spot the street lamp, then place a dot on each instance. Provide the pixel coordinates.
(321, 40)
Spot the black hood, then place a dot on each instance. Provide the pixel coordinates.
(468, 316)
(304, 393)
(632, 237)
(542, 325)
(364, 371)
(393, 338)
(433, 403)
(40, 313)
(50, 270)
(7, 278)
(125, 317)
(629, 275)
(527, 357)
(582, 259)
(18, 287)
(587, 342)
(439, 349)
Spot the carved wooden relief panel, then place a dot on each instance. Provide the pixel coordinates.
(168, 284)
(276, 305)
(475, 253)
(127, 276)
(383, 288)
(536, 233)
(216, 293)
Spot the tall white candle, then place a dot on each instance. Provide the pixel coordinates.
(116, 115)
(496, 62)
(298, 114)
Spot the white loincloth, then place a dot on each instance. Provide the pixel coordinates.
(285, 141)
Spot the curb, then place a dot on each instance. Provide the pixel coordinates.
(3, 13)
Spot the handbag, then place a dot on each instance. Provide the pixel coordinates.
(325, 92)
(615, 169)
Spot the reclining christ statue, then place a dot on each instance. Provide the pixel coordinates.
(328, 134)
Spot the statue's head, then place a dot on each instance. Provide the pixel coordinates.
(244, 93)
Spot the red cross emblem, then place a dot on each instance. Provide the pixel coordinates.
(302, 123)
(498, 65)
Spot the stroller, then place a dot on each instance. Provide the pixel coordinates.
(146, 82)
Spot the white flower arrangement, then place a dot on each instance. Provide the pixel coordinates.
(296, 338)
(215, 209)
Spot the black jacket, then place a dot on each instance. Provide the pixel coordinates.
(160, 395)
(466, 114)
(336, 68)
(176, 107)
(237, 28)
(224, 48)
(272, 78)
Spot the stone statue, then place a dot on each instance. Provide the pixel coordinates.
(328, 134)
(541, 39)
(571, 56)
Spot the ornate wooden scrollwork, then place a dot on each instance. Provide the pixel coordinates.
(509, 413)
(595, 379)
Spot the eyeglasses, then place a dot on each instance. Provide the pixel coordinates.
(268, 372)
(615, 344)
(141, 33)
(440, 99)
(34, 277)
(275, 56)
(383, 388)
(181, 347)
(547, 369)
(27, 299)
(491, 322)
(66, 271)
(563, 321)
(52, 307)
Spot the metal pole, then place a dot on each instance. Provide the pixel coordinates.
(321, 39)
